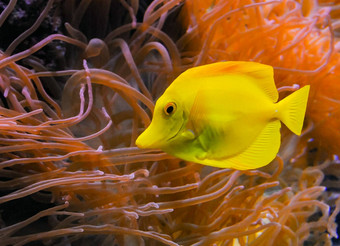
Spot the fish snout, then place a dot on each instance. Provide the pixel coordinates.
(149, 139)
(140, 142)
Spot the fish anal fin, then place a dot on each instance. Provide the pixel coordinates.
(260, 153)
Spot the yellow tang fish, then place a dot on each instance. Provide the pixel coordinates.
(225, 115)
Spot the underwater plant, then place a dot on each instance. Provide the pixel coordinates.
(70, 173)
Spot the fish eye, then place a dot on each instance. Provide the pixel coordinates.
(170, 108)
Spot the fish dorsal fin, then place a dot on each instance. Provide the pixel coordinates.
(260, 153)
(261, 73)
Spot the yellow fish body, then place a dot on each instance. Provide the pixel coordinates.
(225, 115)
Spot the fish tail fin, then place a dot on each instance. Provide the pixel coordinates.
(293, 108)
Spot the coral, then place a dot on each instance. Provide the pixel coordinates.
(303, 50)
(69, 171)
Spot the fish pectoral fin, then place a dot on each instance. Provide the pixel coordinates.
(188, 134)
(260, 153)
(209, 137)
(201, 156)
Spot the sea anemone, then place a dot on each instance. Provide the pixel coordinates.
(70, 172)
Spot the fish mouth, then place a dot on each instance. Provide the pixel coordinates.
(153, 137)
(176, 134)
